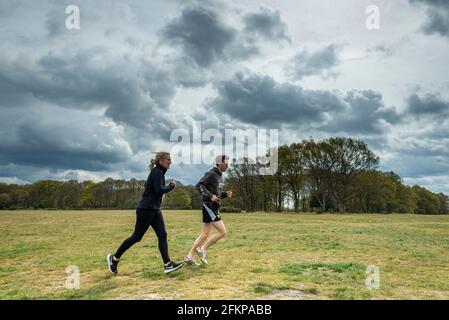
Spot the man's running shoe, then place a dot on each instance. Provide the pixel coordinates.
(112, 264)
(191, 261)
(202, 254)
(172, 266)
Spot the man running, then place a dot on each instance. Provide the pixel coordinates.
(211, 189)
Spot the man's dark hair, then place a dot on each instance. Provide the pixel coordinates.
(220, 159)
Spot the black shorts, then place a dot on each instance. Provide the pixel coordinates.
(211, 212)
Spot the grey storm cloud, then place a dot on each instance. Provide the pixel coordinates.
(188, 75)
(364, 113)
(55, 22)
(318, 63)
(426, 150)
(6, 7)
(97, 101)
(132, 93)
(206, 38)
(267, 24)
(201, 33)
(61, 111)
(431, 105)
(260, 99)
(420, 148)
(73, 101)
(406, 165)
(51, 137)
(54, 27)
(438, 16)
(383, 51)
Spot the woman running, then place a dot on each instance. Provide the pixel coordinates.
(149, 213)
(211, 189)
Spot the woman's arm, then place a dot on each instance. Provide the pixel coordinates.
(158, 186)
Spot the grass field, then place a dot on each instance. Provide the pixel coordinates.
(264, 256)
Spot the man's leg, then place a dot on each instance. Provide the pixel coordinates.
(201, 239)
(220, 227)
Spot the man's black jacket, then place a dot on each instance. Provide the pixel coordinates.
(211, 184)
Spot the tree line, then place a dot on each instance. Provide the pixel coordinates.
(331, 175)
(108, 194)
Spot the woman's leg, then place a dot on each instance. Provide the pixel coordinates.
(143, 219)
(200, 240)
(158, 225)
(220, 227)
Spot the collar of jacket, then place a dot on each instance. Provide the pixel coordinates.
(217, 170)
(164, 170)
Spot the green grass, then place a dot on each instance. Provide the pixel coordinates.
(301, 268)
(292, 256)
(267, 288)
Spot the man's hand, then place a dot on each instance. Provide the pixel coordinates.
(229, 194)
(214, 198)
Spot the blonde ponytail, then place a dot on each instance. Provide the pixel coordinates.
(159, 156)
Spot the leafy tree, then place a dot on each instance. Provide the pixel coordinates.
(177, 199)
(350, 158)
(375, 191)
(87, 197)
(428, 202)
(318, 164)
(5, 200)
(444, 203)
(292, 168)
(4, 188)
(244, 179)
(195, 197)
(43, 194)
(69, 195)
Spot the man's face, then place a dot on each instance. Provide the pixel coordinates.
(223, 166)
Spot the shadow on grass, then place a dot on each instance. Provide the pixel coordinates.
(186, 272)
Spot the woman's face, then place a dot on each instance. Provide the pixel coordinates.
(165, 162)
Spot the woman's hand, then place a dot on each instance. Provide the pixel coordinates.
(229, 194)
(214, 198)
(172, 183)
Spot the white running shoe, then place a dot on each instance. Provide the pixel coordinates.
(112, 264)
(191, 261)
(202, 254)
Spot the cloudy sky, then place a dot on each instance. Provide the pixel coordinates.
(95, 102)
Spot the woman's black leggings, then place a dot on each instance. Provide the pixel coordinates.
(145, 219)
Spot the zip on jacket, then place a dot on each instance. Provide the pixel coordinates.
(155, 188)
(211, 184)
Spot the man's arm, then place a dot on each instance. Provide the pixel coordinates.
(201, 185)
